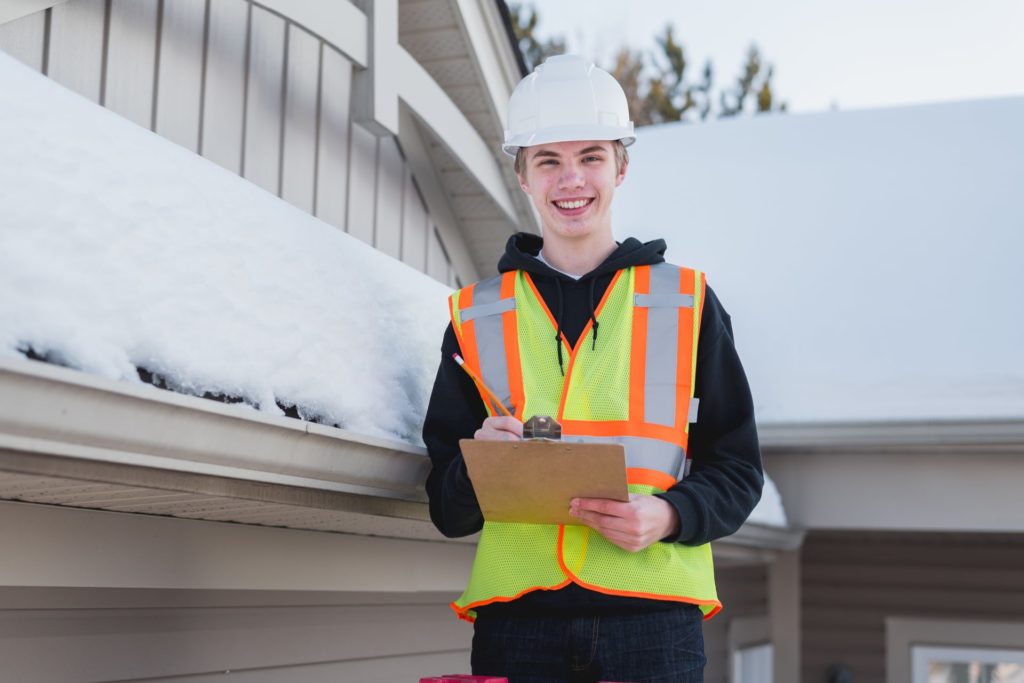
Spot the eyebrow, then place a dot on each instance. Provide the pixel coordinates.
(549, 153)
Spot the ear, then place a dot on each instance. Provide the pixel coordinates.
(522, 184)
(622, 173)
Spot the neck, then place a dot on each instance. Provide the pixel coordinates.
(578, 257)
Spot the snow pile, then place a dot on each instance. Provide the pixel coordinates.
(870, 260)
(769, 510)
(120, 250)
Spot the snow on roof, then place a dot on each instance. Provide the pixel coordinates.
(870, 260)
(122, 250)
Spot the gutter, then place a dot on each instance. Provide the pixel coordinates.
(55, 411)
(74, 439)
(909, 436)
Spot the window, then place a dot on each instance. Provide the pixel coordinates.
(753, 664)
(940, 664)
(953, 651)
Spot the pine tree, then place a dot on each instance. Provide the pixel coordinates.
(656, 84)
(524, 25)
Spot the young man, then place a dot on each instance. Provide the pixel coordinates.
(619, 347)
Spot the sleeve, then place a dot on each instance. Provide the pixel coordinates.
(455, 412)
(726, 475)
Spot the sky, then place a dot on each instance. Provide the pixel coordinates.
(848, 54)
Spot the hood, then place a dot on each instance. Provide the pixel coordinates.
(522, 248)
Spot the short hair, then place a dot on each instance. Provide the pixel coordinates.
(618, 149)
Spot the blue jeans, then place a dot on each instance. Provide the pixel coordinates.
(653, 646)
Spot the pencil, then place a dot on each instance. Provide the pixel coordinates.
(480, 383)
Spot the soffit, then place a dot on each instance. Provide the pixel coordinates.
(435, 34)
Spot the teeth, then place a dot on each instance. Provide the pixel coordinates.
(579, 203)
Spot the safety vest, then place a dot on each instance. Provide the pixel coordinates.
(634, 387)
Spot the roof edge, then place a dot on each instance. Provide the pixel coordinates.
(990, 434)
(52, 410)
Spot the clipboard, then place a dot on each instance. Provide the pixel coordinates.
(534, 480)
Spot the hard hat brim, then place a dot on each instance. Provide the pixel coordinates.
(568, 134)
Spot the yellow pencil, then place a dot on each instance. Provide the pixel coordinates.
(480, 383)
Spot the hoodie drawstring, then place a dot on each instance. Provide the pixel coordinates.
(558, 330)
(593, 315)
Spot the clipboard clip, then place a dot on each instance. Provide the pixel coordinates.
(542, 427)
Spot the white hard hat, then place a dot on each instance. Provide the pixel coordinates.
(567, 98)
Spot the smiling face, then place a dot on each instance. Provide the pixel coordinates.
(572, 184)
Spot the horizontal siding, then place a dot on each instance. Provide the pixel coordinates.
(851, 581)
(385, 643)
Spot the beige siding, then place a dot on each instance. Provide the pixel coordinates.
(23, 39)
(298, 180)
(325, 642)
(180, 71)
(249, 90)
(852, 581)
(264, 101)
(414, 226)
(333, 145)
(388, 219)
(131, 59)
(224, 94)
(76, 46)
(362, 184)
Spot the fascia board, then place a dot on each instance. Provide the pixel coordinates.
(908, 436)
(57, 411)
(490, 51)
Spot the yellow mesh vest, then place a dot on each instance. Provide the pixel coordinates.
(513, 559)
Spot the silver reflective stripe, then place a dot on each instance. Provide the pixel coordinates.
(483, 310)
(694, 406)
(662, 349)
(650, 454)
(676, 300)
(490, 339)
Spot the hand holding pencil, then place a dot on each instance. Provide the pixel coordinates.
(504, 427)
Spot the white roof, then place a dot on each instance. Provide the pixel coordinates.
(870, 260)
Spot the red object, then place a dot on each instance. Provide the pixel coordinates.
(463, 678)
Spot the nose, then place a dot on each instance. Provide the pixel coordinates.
(571, 176)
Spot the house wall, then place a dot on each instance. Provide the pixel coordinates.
(249, 90)
(100, 596)
(852, 581)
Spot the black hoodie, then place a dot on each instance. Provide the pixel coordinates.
(725, 481)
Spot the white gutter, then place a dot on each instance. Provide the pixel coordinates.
(55, 411)
(65, 425)
(909, 436)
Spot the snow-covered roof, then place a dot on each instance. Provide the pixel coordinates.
(120, 250)
(870, 260)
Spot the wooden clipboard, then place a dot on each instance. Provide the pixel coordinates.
(533, 481)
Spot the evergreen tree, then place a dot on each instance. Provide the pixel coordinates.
(524, 25)
(755, 80)
(656, 83)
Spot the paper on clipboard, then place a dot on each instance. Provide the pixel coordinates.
(533, 481)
